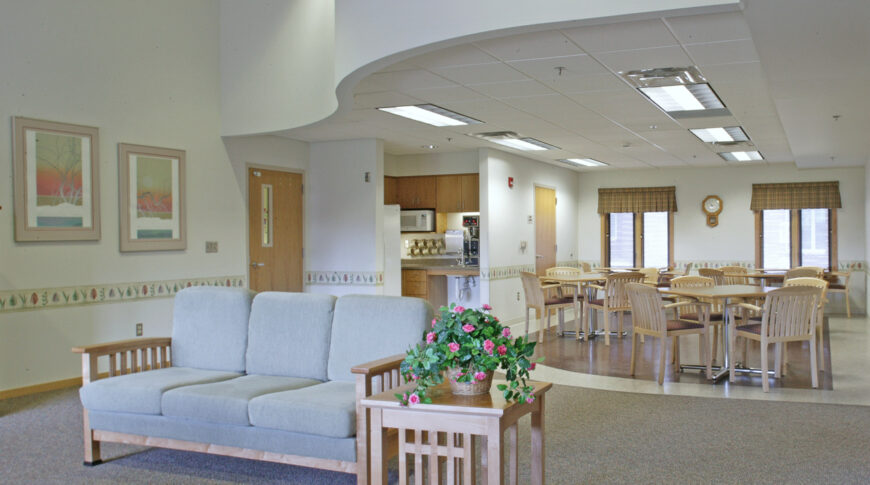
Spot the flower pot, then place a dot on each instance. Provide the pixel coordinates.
(471, 388)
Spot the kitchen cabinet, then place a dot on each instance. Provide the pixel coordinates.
(449, 193)
(416, 192)
(414, 283)
(470, 188)
(391, 190)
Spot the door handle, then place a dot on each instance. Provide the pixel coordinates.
(539, 256)
(258, 265)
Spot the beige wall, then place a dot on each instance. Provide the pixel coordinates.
(145, 73)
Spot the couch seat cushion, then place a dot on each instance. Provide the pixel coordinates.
(226, 402)
(327, 409)
(141, 392)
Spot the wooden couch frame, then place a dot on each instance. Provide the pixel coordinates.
(142, 354)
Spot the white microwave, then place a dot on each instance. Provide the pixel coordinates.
(417, 220)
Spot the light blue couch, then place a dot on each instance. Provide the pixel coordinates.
(267, 377)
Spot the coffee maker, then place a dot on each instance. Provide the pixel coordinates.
(471, 243)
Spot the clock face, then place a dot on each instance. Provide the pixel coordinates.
(712, 205)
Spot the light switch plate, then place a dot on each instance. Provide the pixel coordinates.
(211, 246)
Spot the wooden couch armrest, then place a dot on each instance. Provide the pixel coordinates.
(373, 378)
(125, 356)
(379, 366)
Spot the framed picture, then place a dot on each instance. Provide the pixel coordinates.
(56, 181)
(152, 198)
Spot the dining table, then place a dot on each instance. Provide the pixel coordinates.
(725, 294)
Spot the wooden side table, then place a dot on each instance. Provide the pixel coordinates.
(457, 420)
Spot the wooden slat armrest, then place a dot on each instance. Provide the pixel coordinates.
(746, 306)
(685, 303)
(550, 285)
(379, 366)
(597, 287)
(123, 345)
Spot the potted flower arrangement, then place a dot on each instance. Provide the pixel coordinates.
(468, 345)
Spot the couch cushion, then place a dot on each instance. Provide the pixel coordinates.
(210, 328)
(327, 409)
(289, 333)
(369, 327)
(141, 392)
(225, 401)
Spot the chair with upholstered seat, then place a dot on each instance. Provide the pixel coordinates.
(804, 272)
(716, 314)
(649, 319)
(537, 299)
(650, 275)
(732, 275)
(813, 283)
(717, 274)
(789, 314)
(842, 287)
(613, 300)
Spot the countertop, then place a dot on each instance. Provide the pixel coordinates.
(439, 267)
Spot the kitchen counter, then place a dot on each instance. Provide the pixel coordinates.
(442, 268)
(428, 278)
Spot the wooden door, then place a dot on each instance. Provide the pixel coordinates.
(449, 193)
(470, 192)
(275, 230)
(545, 229)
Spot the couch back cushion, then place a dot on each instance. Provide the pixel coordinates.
(210, 328)
(289, 334)
(369, 327)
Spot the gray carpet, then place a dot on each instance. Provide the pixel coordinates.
(592, 437)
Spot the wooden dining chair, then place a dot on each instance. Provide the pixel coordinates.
(731, 275)
(613, 300)
(688, 269)
(649, 319)
(813, 283)
(650, 275)
(841, 285)
(789, 314)
(586, 267)
(691, 314)
(804, 272)
(537, 299)
(717, 274)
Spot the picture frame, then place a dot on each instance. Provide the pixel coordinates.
(152, 198)
(56, 181)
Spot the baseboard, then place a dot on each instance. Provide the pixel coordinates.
(44, 387)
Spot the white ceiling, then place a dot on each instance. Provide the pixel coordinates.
(783, 68)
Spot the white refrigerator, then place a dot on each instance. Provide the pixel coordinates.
(392, 251)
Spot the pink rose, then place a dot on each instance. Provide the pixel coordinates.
(480, 376)
(506, 333)
(459, 309)
(488, 346)
(413, 377)
(430, 337)
(413, 399)
(486, 307)
(468, 328)
(502, 350)
(453, 346)
(532, 367)
(529, 400)
(433, 322)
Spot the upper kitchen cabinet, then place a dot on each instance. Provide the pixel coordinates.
(449, 188)
(470, 187)
(391, 190)
(417, 192)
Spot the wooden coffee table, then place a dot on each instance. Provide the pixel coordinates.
(457, 420)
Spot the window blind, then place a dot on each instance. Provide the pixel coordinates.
(637, 199)
(805, 195)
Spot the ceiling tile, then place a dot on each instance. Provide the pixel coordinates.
(650, 58)
(728, 52)
(535, 45)
(386, 98)
(512, 89)
(709, 27)
(622, 36)
(446, 95)
(572, 66)
(401, 81)
(462, 55)
(584, 84)
(481, 73)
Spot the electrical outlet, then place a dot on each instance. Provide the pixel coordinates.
(138, 329)
(518, 296)
(211, 246)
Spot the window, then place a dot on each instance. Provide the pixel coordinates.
(801, 237)
(642, 239)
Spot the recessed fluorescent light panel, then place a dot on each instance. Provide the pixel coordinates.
(586, 162)
(432, 115)
(693, 97)
(741, 156)
(512, 140)
(720, 135)
(681, 92)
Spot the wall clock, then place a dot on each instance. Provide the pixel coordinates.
(712, 206)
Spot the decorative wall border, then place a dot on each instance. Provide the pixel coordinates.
(66, 296)
(843, 265)
(344, 278)
(505, 272)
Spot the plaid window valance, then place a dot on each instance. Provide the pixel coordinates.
(637, 199)
(806, 195)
